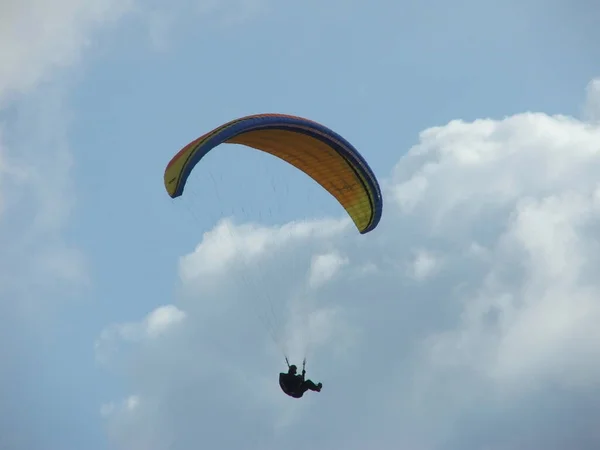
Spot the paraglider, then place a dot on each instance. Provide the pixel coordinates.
(312, 148)
(296, 385)
(316, 150)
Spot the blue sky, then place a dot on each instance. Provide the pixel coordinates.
(97, 100)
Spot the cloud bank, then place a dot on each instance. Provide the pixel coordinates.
(467, 320)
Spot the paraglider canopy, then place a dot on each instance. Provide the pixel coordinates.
(316, 150)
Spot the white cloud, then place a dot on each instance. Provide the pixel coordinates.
(489, 353)
(163, 318)
(591, 108)
(536, 297)
(227, 245)
(37, 37)
(156, 324)
(324, 267)
(424, 265)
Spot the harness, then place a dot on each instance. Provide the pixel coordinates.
(284, 387)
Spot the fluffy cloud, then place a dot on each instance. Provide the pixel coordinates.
(527, 199)
(155, 325)
(424, 265)
(324, 267)
(592, 105)
(488, 340)
(37, 37)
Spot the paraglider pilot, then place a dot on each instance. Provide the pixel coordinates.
(295, 385)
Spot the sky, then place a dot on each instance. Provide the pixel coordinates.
(467, 320)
